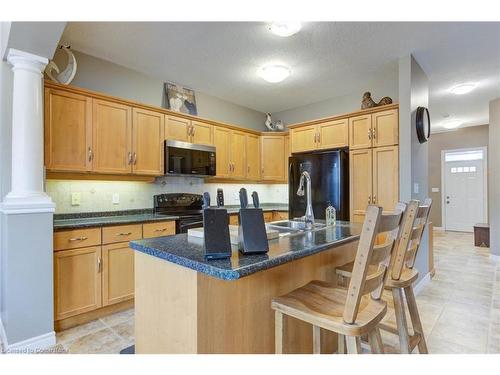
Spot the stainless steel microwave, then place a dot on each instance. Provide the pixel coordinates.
(188, 159)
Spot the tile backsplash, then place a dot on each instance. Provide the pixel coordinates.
(98, 195)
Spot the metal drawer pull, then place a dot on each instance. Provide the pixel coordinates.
(160, 230)
(125, 234)
(78, 239)
(90, 154)
(99, 265)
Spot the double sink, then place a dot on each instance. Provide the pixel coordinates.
(290, 227)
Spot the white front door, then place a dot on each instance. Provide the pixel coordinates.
(464, 190)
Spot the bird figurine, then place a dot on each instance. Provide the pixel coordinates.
(269, 122)
(66, 76)
(368, 102)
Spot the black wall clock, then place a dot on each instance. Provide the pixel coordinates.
(423, 124)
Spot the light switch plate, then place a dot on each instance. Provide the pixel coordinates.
(416, 188)
(116, 198)
(435, 190)
(76, 199)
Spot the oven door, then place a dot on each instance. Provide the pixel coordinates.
(184, 223)
(188, 159)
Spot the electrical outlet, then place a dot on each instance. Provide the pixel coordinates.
(416, 188)
(236, 196)
(116, 198)
(435, 190)
(76, 199)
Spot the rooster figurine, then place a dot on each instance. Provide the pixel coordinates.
(368, 102)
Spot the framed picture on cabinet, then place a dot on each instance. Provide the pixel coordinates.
(180, 99)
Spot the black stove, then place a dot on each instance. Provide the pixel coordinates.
(188, 207)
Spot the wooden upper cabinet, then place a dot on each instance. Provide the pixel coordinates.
(238, 154)
(222, 142)
(287, 155)
(201, 133)
(77, 281)
(147, 142)
(253, 156)
(117, 273)
(177, 128)
(385, 127)
(386, 177)
(303, 138)
(360, 179)
(112, 137)
(68, 131)
(360, 129)
(333, 134)
(272, 157)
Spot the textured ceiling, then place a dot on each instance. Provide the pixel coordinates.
(327, 59)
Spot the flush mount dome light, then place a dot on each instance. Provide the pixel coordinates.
(285, 28)
(273, 73)
(452, 124)
(463, 88)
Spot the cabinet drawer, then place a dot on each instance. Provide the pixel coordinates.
(75, 238)
(233, 219)
(164, 228)
(268, 216)
(280, 215)
(121, 233)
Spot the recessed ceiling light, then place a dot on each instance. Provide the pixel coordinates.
(285, 28)
(452, 124)
(273, 73)
(463, 88)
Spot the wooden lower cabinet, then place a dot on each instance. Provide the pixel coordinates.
(117, 273)
(77, 281)
(280, 215)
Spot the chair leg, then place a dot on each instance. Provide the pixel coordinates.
(353, 344)
(341, 349)
(415, 319)
(375, 340)
(404, 341)
(278, 332)
(316, 340)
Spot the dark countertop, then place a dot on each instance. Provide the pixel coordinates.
(98, 219)
(233, 209)
(188, 252)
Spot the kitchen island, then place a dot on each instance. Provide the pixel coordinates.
(186, 304)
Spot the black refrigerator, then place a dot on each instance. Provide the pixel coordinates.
(329, 171)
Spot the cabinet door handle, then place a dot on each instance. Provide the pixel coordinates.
(374, 199)
(135, 158)
(374, 133)
(369, 134)
(319, 137)
(125, 234)
(129, 158)
(248, 169)
(78, 239)
(99, 265)
(91, 156)
(369, 199)
(192, 130)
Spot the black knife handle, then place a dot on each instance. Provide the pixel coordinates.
(206, 199)
(220, 198)
(243, 198)
(255, 198)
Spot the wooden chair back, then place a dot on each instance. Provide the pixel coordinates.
(370, 264)
(411, 236)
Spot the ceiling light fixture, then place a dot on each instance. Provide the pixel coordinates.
(285, 28)
(463, 88)
(273, 73)
(451, 124)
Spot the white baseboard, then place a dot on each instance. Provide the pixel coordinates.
(422, 283)
(33, 344)
(495, 258)
(439, 229)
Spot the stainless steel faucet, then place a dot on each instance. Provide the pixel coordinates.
(309, 216)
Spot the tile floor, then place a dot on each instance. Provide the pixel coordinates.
(460, 308)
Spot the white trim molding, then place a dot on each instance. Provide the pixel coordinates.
(495, 258)
(422, 283)
(33, 344)
(438, 229)
(3, 336)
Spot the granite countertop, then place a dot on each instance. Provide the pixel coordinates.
(233, 209)
(188, 252)
(97, 219)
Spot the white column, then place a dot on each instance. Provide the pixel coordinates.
(27, 188)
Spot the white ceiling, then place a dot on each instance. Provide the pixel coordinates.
(327, 59)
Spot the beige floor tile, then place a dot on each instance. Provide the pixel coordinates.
(440, 345)
(72, 334)
(125, 330)
(100, 342)
(118, 317)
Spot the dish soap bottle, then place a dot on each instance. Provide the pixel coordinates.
(330, 215)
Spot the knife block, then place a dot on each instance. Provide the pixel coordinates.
(217, 242)
(252, 231)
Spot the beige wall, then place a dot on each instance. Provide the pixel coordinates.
(474, 136)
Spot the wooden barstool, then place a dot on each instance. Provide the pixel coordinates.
(356, 311)
(401, 276)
